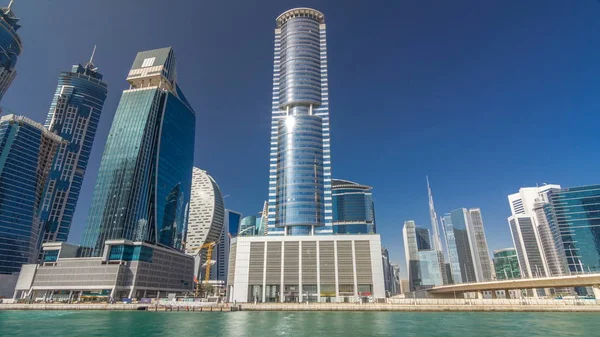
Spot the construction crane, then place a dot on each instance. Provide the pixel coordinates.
(209, 246)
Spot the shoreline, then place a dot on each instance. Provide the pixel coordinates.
(307, 307)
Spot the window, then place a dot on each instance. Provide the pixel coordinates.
(79, 129)
(149, 62)
(69, 120)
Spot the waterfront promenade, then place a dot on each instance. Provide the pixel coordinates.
(406, 305)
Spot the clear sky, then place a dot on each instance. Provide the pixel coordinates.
(483, 96)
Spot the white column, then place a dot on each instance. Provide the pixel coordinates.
(596, 290)
(354, 270)
(264, 287)
(281, 286)
(300, 290)
(318, 274)
(335, 263)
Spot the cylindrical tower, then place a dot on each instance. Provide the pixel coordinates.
(300, 58)
(300, 174)
(300, 168)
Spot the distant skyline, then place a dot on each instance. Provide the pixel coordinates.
(484, 97)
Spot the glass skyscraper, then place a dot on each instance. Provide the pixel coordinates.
(479, 245)
(143, 187)
(411, 253)
(74, 115)
(459, 248)
(27, 150)
(574, 219)
(353, 208)
(506, 264)
(10, 47)
(300, 198)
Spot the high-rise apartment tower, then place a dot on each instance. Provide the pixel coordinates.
(10, 45)
(74, 115)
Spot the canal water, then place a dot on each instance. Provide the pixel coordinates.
(313, 324)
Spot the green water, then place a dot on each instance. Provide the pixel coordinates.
(313, 324)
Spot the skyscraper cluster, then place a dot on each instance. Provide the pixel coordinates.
(467, 259)
(139, 212)
(141, 200)
(43, 166)
(157, 224)
(555, 230)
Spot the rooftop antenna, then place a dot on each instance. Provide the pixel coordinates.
(10, 4)
(90, 64)
(93, 53)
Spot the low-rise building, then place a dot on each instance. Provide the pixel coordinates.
(327, 268)
(126, 269)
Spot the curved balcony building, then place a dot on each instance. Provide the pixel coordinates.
(10, 47)
(300, 167)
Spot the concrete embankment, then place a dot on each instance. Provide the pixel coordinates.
(419, 308)
(309, 307)
(145, 307)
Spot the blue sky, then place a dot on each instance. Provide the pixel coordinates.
(483, 96)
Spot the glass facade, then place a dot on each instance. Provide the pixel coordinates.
(143, 187)
(130, 253)
(233, 221)
(506, 264)
(27, 150)
(423, 239)
(459, 248)
(574, 217)
(74, 115)
(10, 47)
(248, 226)
(300, 174)
(300, 162)
(353, 208)
(429, 268)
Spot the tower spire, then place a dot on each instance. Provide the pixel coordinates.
(437, 244)
(10, 4)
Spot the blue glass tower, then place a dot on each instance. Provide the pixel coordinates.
(459, 248)
(353, 208)
(74, 115)
(10, 47)
(574, 218)
(27, 150)
(300, 200)
(144, 182)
